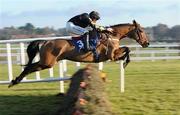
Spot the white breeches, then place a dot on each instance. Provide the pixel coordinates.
(71, 28)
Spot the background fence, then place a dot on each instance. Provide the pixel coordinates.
(157, 51)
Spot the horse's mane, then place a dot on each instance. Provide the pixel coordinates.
(114, 26)
(124, 24)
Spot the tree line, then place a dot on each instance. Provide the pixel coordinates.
(29, 30)
(160, 32)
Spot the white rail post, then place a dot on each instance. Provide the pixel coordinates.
(61, 76)
(78, 64)
(122, 83)
(10, 72)
(37, 73)
(51, 72)
(22, 54)
(101, 66)
(64, 66)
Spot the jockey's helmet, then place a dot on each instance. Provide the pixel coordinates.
(94, 15)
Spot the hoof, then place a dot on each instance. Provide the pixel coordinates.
(11, 84)
(61, 94)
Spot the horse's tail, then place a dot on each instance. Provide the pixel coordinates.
(33, 49)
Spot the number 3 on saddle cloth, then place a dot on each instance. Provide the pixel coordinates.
(79, 45)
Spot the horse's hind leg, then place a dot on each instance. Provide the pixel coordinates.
(27, 70)
(48, 57)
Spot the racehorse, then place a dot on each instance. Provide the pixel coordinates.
(52, 51)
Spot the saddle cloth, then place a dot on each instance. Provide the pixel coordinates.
(79, 44)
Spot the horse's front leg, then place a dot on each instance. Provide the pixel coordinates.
(122, 54)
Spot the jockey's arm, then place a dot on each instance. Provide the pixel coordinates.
(88, 20)
(102, 28)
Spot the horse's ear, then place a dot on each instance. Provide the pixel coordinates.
(134, 22)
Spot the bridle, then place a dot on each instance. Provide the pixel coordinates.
(137, 31)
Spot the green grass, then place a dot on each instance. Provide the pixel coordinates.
(151, 88)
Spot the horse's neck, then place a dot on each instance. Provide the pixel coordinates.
(122, 31)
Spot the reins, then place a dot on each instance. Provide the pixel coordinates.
(108, 38)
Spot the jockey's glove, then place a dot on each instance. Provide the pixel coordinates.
(109, 30)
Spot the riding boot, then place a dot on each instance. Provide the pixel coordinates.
(86, 42)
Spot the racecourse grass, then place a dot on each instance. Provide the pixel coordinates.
(151, 88)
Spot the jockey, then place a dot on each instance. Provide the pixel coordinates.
(82, 24)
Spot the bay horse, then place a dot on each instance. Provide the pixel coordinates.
(52, 51)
